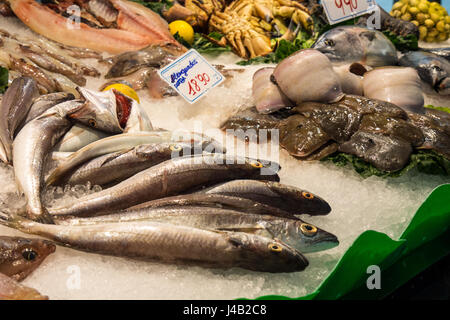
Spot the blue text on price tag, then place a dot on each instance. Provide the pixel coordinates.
(191, 76)
(341, 10)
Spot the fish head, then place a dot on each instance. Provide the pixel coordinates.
(301, 136)
(99, 111)
(340, 44)
(267, 168)
(21, 256)
(265, 254)
(307, 202)
(313, 238)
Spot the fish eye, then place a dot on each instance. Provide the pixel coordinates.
(329, 42)
(275, 247)
(92, 123)
(307, 195)
(308, 229)
(175, 147)
(29, 254)
(256, 164)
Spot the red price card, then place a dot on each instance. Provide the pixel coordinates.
(341, 10)
(191, 76)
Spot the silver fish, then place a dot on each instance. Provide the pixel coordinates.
(78, 137)
(31, 148)
(168, 178)
(45, 102)
(298, 234)
(287, 198)
(355, 44)
(14, 108)
(122, 142)
(118, 166)
(174, 244)
(215, 200)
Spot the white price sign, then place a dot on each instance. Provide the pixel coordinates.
(341, 10)
(191, 76)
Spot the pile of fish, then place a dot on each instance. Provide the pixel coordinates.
(18, 258)
(169, 196)
(55, 67)
(353, 100)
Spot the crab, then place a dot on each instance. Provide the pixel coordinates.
(248, 25)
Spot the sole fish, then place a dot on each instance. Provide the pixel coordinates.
(21, 256)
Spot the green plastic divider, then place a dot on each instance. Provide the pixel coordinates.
(425, 241)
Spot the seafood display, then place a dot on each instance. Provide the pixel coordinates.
(379, 132)
(100, 155)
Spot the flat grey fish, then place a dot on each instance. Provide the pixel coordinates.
(116, 167)
(298, 234)
(287, 198)
(14, 108)
(432, 69)
(21, 256)
(171, 243)
(215, 200)
(10, 289)
(383, 152)
(355, 44)
(168, 178)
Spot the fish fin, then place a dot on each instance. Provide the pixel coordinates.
(369, 35)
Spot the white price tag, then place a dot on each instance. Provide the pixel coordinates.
(341, 10)
(191, 76)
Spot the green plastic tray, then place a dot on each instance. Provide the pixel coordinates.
(425, 241)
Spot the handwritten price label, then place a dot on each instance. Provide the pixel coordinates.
(341, 10)
(191, 76)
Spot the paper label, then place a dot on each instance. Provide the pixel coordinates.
(191, 76)
(341, 10)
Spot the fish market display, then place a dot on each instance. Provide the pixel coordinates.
(10, 289)
(355, 44)
(398, 85)
(172, 243)
(21, 256)
(114, 26)
(432, 69)
(379, 132)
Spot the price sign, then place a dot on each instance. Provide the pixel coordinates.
(191, 76)
(341, 10)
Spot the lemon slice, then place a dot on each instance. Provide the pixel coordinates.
(124, 89)
(184, 30)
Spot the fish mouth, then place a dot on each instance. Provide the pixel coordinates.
(327, 242)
